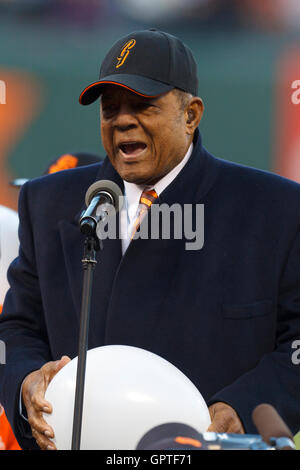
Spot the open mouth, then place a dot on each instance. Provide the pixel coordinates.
(132, 149)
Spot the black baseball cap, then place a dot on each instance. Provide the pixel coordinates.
(148, 63)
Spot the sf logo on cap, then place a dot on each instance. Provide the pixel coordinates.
(125, 52)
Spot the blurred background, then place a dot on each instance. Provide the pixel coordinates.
(248, 56)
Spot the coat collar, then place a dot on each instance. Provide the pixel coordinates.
(195, 179)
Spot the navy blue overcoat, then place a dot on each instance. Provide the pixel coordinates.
(227, 315)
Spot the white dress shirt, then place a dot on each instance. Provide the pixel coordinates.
(132, 197)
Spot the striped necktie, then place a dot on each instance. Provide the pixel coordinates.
(146, 200)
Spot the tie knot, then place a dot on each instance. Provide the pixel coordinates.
(148, 197)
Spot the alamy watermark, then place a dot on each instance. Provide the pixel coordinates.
(164, 222)
(296, 353)
(2, 352)
(2, 92)
(295, 97)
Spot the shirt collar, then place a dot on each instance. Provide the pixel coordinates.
(133, 191)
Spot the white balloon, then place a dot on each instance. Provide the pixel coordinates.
(128, 391)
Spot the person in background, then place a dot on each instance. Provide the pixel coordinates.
(64, 162)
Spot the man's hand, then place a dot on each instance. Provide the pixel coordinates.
(224, 419)
(33, 395)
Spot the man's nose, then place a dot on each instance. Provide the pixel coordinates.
(126, 117)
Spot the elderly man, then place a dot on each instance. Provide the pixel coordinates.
(226, 314)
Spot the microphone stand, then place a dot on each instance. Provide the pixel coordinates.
(103, 194)
(91, 245)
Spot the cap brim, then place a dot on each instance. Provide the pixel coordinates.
(136, 83)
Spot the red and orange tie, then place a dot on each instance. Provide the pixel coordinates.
(146, 200)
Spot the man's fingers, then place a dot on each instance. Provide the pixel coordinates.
(50, 369)
(39, 424)
(33, 394)
(225, 426)
(218, 425)
(41, 430)
(62, 362)
(224, 419)
(43, 442)
(39, 403)
(221, 422)
(37, 421)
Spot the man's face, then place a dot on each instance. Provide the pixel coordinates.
(144, 138)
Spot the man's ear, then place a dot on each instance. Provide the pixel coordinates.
(193, 114)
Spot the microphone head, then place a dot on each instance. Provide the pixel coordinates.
(171, 436)
(270, 425)
(106, 186)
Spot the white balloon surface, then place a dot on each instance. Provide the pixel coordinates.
(128, 391)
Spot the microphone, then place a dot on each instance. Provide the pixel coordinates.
(272, 428)
(101, 197)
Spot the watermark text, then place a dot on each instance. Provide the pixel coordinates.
(164, 222)
(2, 92)
(296, 353)
(296, 94)
(2, 352)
